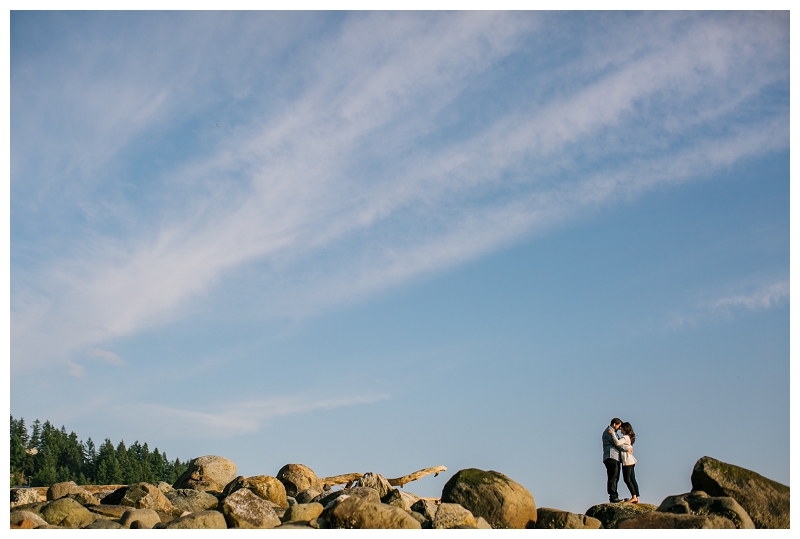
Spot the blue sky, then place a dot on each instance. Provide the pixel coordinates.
(414, 239)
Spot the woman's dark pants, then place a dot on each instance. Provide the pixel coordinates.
(630, 479)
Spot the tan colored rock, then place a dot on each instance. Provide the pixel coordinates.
(453, 515)
(672, 521)
(18, 516)
(354, 512)
(264, 486)
(147, 518)
(555, 519)
(244, 509)
(57, 491)
(204, 520)
(503, 502)
(303, 511)
(187, 499)
(110, 511)
(208, 473)
(147, 496)
(298, 477)
(482, 524)
(67, 513)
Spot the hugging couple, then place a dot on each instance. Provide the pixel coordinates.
(618, 440)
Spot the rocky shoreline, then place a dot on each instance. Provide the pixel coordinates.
(209, 495)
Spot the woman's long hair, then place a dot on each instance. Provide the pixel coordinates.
(628, 431)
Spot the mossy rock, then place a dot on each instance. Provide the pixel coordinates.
(501, 501)
(610, 514)
(765, 500)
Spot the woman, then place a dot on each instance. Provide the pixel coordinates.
(628, 462)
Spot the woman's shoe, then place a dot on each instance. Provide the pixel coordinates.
(633, 500)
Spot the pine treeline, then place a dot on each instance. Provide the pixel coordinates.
(47, 455)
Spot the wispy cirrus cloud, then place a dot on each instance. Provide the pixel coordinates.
(229, 419)
(379, 168)
(758, 297)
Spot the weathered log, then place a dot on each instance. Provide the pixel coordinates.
(400, 481)
(349, 478)
(344, 479)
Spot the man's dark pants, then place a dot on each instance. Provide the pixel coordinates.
(612, 470)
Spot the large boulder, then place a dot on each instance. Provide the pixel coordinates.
(297, 477)
(452, 515)
(243, 509)
(263, 486)
(146, 518)
(186, 499)
(19, 516)
(57, 491)
(673, 521)
(611, 513)
(209, 473)
(67, 513)
(504, 503)
(24, 496)
(555, 519)
(147, 496)
(765, 500)
(700, 503)
(204, 520)
(354, 512)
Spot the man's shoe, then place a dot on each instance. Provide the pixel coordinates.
(614, 500)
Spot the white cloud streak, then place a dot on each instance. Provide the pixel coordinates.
(237, 418)
(756, 298)
(352, 188)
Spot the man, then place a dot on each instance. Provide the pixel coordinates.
(612, 458)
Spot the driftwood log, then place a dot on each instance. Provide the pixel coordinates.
(349, 478)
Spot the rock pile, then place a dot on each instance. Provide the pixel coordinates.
(209, 495)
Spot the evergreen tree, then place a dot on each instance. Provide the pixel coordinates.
(48, 455)
(108, 468)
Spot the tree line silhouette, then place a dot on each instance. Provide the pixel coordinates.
(48, 455)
